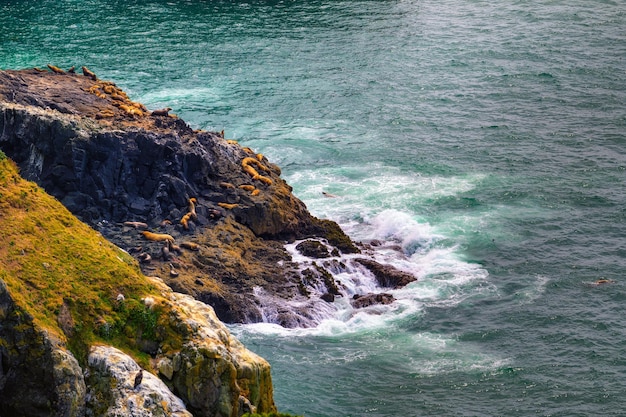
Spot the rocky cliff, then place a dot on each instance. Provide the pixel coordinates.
(206, 215)
(118, 313)
(79, 322)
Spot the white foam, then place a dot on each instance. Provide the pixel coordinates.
(435, 354)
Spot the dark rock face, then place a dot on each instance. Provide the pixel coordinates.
(386, 275)
(110, 167)
(38, 376)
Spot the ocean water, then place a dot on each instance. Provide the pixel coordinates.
(483, 143)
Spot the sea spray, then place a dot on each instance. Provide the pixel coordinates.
(393, 239)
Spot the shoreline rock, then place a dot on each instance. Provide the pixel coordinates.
(128, 167)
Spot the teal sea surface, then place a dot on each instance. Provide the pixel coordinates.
(486, 140)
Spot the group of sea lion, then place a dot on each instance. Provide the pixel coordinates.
(107, 89)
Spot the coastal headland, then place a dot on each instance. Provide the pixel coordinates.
(156, 234)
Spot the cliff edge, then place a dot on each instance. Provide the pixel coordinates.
(207, 216)
(79, 321)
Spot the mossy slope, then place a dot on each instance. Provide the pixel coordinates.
(61, 280)
(63, 273)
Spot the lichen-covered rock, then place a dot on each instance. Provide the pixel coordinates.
(212, 372)
(112, 390)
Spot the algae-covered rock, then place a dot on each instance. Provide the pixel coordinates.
(212, 370)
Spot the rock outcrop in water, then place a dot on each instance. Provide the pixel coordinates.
(122, 170)
(206, 215)
(202, 215)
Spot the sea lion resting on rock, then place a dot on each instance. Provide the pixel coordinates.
(157, 237)
(136, 225)
(185, 220)
(228, 206)
(88, 73)
(161, 112)
(190, 245)
(56, 69)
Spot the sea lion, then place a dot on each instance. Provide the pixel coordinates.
(222, 133)
(255, 192)
(131, 110)
(173, 272)
(185, 220)
(105, 114)
(39, 69)
(56, 69)
(228, 206)
(192, 207)
(215, 214)
(232, 142)
(174, 248)
(136, 225)
(157, 237)
(165, 253)
(144, 258)
(88, 73)
(72, 70)
(247, 161)
(251, 171)
(247, 187)
(226, 185)
(263, 179)
(161, 112)
(190, 246)
(325, 194)
(603, 281)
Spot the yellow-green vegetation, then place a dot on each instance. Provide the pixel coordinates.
(69, 278)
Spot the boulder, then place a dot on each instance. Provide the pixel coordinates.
(113, 392)
(387, 275)
(366, 300)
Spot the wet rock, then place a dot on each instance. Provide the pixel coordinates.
(387, 275)
(313, 249)
(366, 300)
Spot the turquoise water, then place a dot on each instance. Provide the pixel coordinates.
(486, 139)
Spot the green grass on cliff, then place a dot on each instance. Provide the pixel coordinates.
(54, 264)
